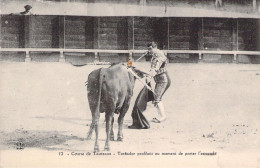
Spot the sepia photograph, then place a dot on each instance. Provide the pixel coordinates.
(130, 83)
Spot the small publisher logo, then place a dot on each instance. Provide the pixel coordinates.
(19, 146)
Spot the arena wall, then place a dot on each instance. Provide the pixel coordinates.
(12, 36)
(123, 33)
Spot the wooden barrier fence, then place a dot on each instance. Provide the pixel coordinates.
(130, 52)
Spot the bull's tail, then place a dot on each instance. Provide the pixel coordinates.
(96, 115)
(99, 93)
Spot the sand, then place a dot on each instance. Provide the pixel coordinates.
(210, 108)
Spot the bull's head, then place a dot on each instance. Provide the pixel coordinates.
(136, 73)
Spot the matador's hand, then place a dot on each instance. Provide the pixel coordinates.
(148, 78)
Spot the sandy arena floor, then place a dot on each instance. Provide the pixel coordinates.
(210, 108)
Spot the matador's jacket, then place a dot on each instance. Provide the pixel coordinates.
(158, 70)
(158, 62)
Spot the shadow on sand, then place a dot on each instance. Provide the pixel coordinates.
(20, 139)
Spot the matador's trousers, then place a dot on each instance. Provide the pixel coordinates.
(163, 82)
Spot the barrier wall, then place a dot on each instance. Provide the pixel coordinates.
(183, 35)
(126, 33)
(12, 36)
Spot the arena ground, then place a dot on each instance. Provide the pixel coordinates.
(212, 109)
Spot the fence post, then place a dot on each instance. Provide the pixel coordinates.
(218, 3)
(130, 59)
(27, 56)
(235, 38)
(235, 58)
(130, 56)
(62, 58)
(200, 58)
(201, 39)
(96, 57)
(61, 31)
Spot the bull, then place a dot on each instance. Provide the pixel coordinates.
(110, 91)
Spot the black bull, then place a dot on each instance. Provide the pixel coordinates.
(110, 91)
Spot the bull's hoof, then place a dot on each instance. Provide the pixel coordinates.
(96, 149)
(120, 139)
(89, 136)
(111, 138)
(107, 148)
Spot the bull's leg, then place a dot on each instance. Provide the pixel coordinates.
(89, 134)
(111, 131)
(96, 147)
(109, 117)
(120, 126)
(95, 121)
(121, 119)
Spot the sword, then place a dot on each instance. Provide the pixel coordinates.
(141, 56)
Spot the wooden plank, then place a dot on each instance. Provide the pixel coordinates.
(140, 47)
(89, 44)
(140, 38)
(13, 21)
(130, 39)
(143, 33)
(179, 32)
(89, 31)
(234, 35)
(96, 32)
(61, 33)
(89, 39)
(73, 30)
(42, 23)
(141, 43)
(76, 25)
(105, 43)
(110, 19)
(143, 2)
(10, 44)
(1, 23)
(11, 30)
(108, 30)
(217, 39)
(42, 43)
(246, 47)
(75, 44)
(217, 33)
(41, 37)
(224, 25)
(218, 28)
(175, 38)
(177, 21)
(219, 46)
(75, 18)
(27, 32)
(144, 24)
(75, 37)
(126, 51)
(41, 30)
(108, 25)
(109, 47)
(254, 5)
(108, 38)
(178, 45)
(10, 37)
